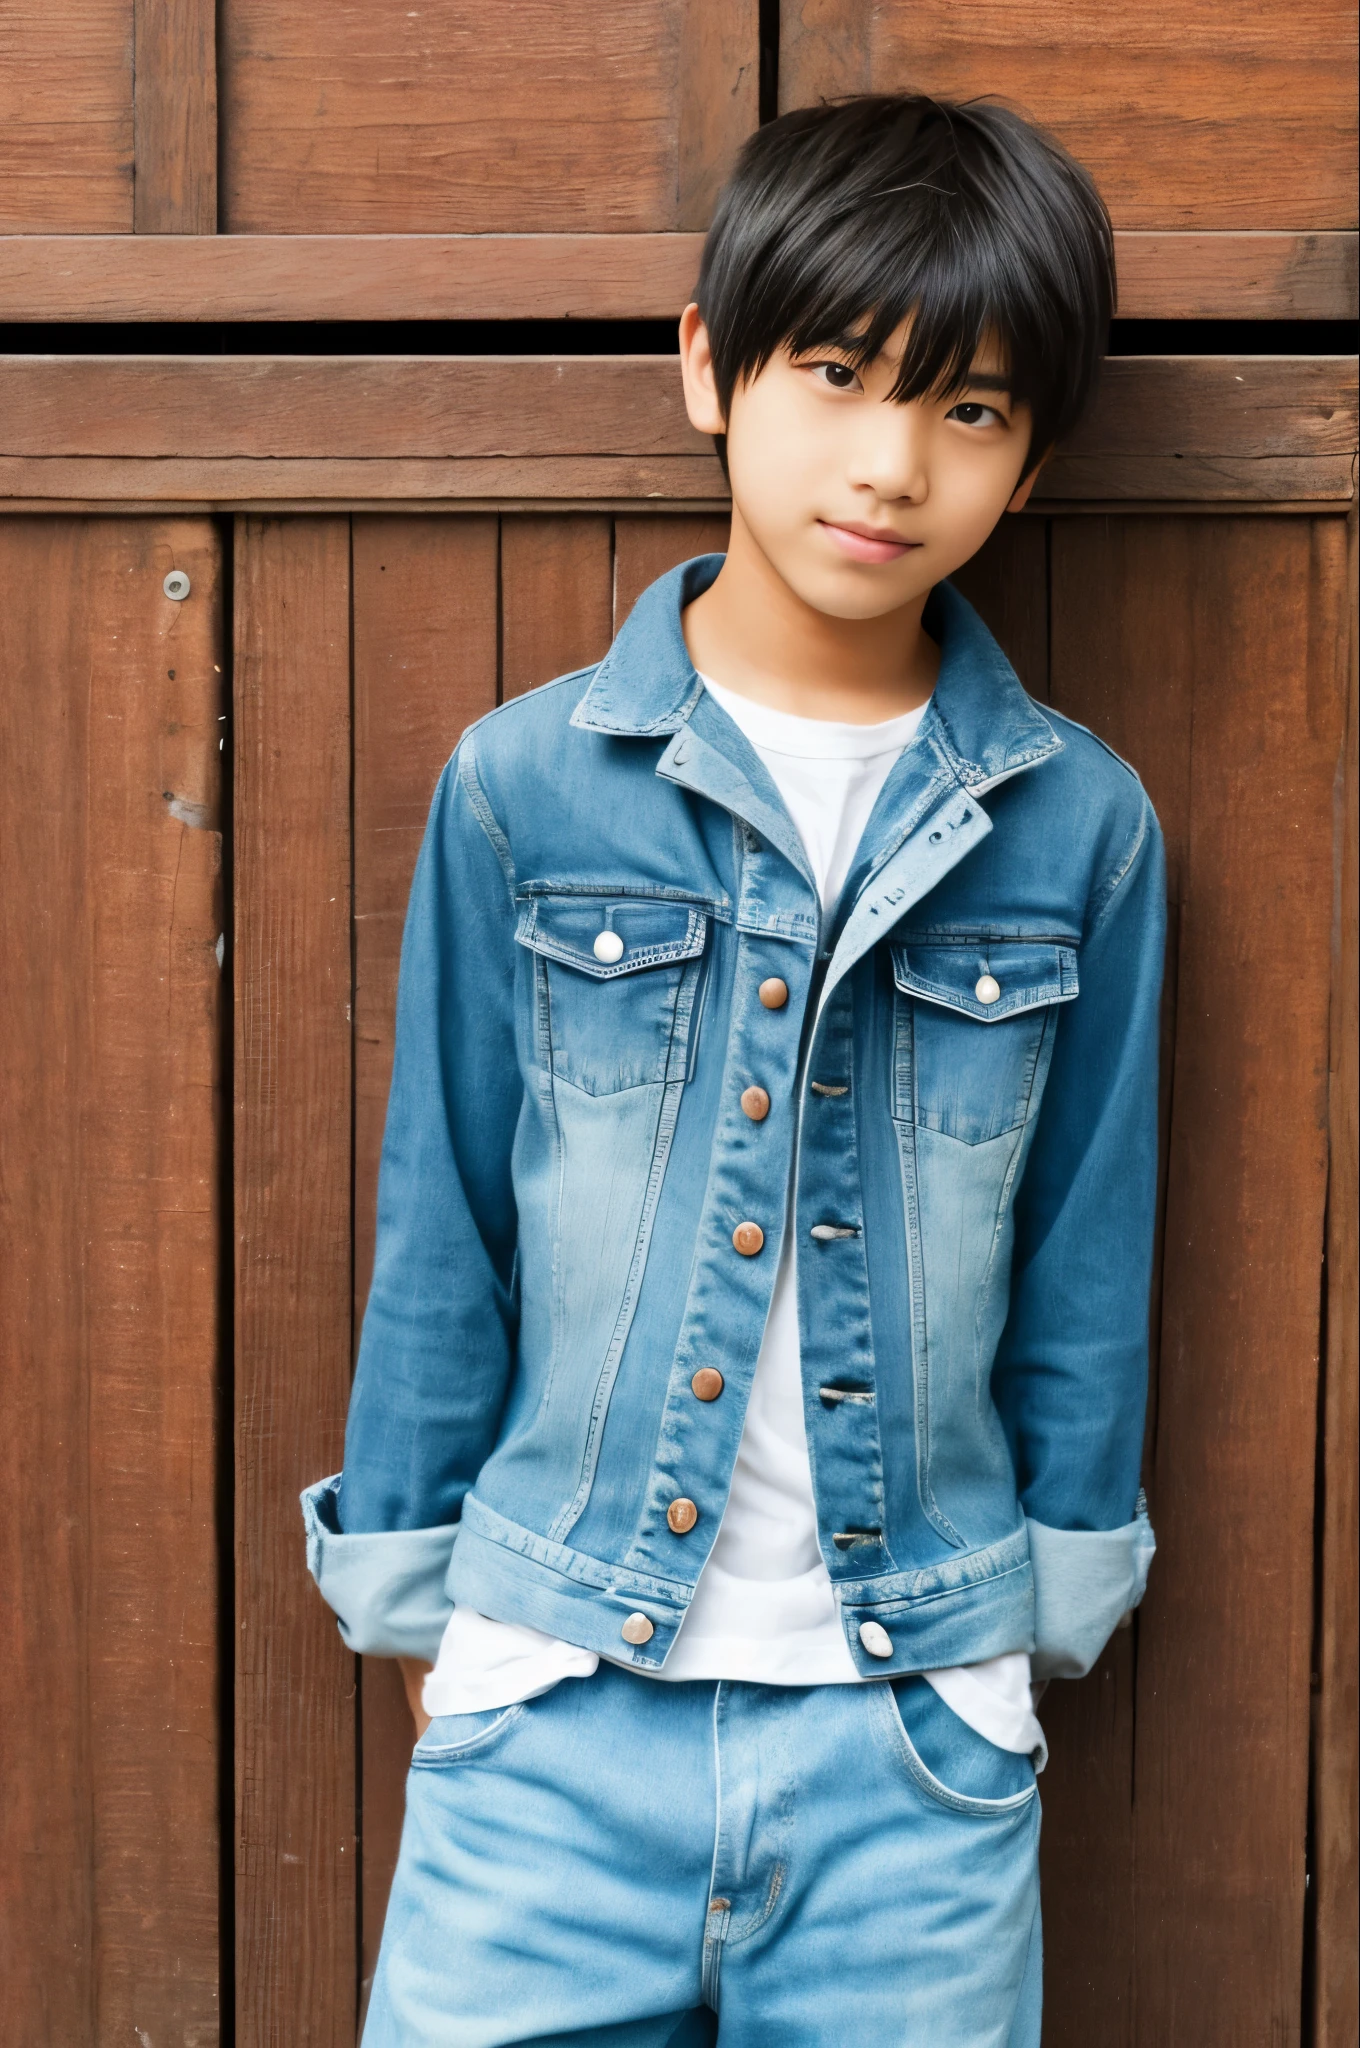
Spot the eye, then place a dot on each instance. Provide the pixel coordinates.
(972, 414)
(837, 376)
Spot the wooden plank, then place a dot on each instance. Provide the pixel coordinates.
(228, 482)
(1336, 1790)
(456, 118)
(1007, 580)
(1118, 666)
(425, 620)
(1221, 1744)
(586, 277)
(295, 1682)
(557, 596)
(647, 545)
(110, 1109)
(66, 118)
(175, 118)
(1229, 116)
(719, 107)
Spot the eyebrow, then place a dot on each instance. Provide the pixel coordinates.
(986, 380)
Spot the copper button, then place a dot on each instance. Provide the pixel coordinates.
(707, 1383)
(748, 1238)
(756, 1103)
(681, 1516)
(637, 1629)
(774, 993)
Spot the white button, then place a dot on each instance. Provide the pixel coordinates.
(609, 948)
(987, 990)
(875, 1639)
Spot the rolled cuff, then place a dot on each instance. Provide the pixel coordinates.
(386, 1588)
(1086, 1581)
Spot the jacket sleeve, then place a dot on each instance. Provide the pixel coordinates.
(1071, 1374)
(440, 1326)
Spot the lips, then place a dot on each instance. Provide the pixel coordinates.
(865, 543)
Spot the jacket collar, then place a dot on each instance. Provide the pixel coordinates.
(980, 716)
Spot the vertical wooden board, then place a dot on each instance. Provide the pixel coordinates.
(175, 118)
(425, 611)
(557, 594)
(1336, 1769)
(647, 544)
(295, 1682)
(110, 1152)
(1007, 581)
(1119, 667)
(612, 116)
(66, 118)
(1221, 1750)
(1225, 114)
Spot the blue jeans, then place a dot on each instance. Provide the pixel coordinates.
(644, 1865)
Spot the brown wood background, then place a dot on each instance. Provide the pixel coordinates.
(200, 1791)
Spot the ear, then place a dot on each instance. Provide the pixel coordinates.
(1020, 497)
(696, 370)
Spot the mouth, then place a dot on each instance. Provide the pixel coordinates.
(867, 543)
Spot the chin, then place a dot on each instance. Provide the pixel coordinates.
(866, 595)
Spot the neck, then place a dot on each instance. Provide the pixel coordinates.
(752, 632)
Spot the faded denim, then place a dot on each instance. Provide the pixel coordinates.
(618, 1864)
(566, 1159)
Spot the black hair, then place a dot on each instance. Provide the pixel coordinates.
(845, 219)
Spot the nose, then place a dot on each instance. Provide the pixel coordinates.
(890, 453)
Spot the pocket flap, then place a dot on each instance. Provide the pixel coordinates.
(631, 932)
(987, 978)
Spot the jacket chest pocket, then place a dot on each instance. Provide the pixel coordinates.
(615, 986)
(974, 1031)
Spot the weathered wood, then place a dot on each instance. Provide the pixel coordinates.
(557, 596)
(1008, 582)
(1221, 1744)
(1336, 1772)
(230, 482)
(174, 188)
(463, 118)
(560, 277)
(66, 118)
(295, 1682)
(646, 546)
(425, 609)
(1231, 116)
(719, 107)
(111, 1012)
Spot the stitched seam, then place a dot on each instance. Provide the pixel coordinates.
(485, 816)
(1110, 888)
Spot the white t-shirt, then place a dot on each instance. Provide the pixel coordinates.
(764, 1609)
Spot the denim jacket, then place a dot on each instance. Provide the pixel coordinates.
(576, 1215)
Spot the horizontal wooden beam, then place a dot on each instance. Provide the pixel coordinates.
(558, 277)
(241, 429)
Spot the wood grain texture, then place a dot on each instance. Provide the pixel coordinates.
(1007, 581)
(295, 1682)
(1336, 1792)
(552, 116)
(1221, 114)
(425, 616)
(66, 118)
(557, 596)
(175, 118)
(1221, 1744)
(647, 545)
(560, 277)
(110, 1134)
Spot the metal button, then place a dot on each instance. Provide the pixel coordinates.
(608, 947)
(988, 988)
(748, 1238)
(874, 1637)
(637, 1629)
(707, 1383)
(756, 1103)
(774, 993)
(681, 1516)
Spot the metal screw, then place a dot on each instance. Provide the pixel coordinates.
(176, 585)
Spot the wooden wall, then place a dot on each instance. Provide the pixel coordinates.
(200, 1789)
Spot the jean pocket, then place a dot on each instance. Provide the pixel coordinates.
(950, 1762)
(452, 1737)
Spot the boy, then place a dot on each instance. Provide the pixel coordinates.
(760, 1300)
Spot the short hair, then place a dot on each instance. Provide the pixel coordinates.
(845, 219)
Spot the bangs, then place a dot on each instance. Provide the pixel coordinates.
(963, 222)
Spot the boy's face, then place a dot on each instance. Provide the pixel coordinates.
(859, 502)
